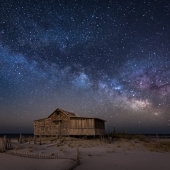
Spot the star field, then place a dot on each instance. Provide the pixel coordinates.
(106, 59)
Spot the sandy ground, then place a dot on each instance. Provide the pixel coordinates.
(94, 154)
(137, 160)
(11, 162)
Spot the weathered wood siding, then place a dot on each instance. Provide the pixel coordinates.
(56, 124)
(78, 123)
(86, 126)
(99, 132)
(84, 132)
(99, 124)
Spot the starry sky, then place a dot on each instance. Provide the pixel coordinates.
(108, 59)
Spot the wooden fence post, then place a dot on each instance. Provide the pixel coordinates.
(34, 139)
(40, 139)
(77, 156)
(20, 139)
(5, 143)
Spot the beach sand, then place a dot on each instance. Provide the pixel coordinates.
(11, 162)
(94, 154)
(137, 160)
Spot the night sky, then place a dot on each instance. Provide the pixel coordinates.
(100, 58)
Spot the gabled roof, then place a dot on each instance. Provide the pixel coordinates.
(70, 114)
(40, 119)
(80, 117)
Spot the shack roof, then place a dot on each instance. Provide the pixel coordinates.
(70, 114)
(82, 117)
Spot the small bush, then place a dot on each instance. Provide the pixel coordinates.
(89, 154)
(18, 147)
(111, 150)
(30, 149)
(159, 146)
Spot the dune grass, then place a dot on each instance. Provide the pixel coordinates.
(158, 146)
(119, 141)
(30, 149)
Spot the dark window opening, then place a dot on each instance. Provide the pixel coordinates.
(57, 122)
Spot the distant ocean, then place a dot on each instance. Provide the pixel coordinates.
(16, 135)
(158, 135)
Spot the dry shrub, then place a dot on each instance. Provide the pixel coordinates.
(18, 147)
(129, 137)
(30, 149)
(112, 150)
(158, 146)
(132, 144)
(62, 149)
(71, 146)
(70, 139)
(119, 145)
(62, 140)
(45, 139)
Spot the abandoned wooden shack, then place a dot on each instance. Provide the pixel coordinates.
(64, 123)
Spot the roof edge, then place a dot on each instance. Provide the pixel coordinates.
(81, 117)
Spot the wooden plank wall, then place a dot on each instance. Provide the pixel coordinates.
(80, 132)
(99, 124)
(81, 123)
(99, 132)
(87, 127)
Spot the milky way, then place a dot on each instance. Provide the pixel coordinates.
(106, 59)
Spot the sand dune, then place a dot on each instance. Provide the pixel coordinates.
(93, 154)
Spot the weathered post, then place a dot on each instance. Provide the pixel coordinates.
(5, 143)
(110, 139)
(114, 130)
(10, 144)
(40, 139)
(34, 139)
(20, 139)
(77, 156)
